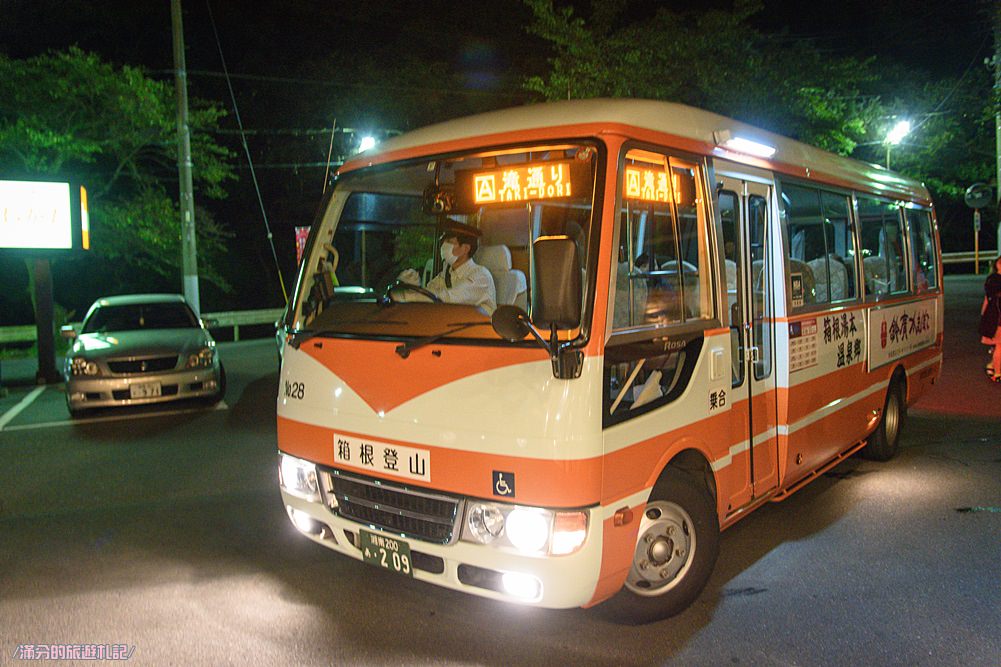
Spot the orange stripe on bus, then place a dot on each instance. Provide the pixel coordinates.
(559, 483)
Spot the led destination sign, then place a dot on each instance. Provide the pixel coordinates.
(522, 183)
(650, 184)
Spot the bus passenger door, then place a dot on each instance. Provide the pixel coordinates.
(747, 237)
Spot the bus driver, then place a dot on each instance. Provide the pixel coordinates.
(462, 280)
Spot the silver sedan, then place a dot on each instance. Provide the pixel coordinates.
(139, 349)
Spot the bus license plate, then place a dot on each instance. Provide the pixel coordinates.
(386, 552)
(144, 389)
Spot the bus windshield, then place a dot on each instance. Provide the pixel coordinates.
(432, 247)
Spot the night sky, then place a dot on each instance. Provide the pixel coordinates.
(317, 44)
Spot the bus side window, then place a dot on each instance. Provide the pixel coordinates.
(924, 275)
(882, 248)
(662, 281)
(821, 251)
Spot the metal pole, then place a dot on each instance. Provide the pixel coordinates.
(997, 119)
(47, 373)
(976, 241)
(189, 252)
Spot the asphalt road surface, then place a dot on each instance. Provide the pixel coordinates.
(162, 532)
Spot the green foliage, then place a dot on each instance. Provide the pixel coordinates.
(69, 114)
(715, 60)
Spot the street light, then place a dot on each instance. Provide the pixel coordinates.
(895, 136)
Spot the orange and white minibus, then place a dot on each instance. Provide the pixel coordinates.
(689, 317)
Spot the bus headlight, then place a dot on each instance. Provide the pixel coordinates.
(298, 477)
(530, 530)
(486, 522)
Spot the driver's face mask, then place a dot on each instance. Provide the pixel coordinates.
(446, 253)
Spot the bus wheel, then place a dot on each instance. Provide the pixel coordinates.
(882, 444)
(676, 548)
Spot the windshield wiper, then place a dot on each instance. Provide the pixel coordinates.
(405, 349)
(300, 337)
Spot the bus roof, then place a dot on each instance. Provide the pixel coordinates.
(692, 125)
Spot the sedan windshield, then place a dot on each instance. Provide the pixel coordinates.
(433, 247)
(134, 317)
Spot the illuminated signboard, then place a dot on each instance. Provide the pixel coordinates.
(650, 184)
(522, 183)
(43, 215)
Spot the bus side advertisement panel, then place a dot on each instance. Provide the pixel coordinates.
(897, 331)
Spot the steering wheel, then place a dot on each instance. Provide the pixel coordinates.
(399, 284)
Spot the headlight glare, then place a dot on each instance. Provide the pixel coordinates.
(298, 477)
(528, 529)
(532, 531)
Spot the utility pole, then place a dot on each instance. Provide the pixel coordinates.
(189, 252)
(996, 20)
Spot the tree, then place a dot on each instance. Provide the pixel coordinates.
(715, 60)
(113, 129)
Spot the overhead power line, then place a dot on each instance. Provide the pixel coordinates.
(354, 84)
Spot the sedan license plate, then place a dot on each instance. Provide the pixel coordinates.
(144, 389)
(386, 552)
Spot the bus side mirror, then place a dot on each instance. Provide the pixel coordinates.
(556, 295)
(511, 323)
(556, 289)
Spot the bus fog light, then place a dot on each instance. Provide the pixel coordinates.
(486, 522)
(523, 586)
(527, 529)
(569, 531)
(298, 477)
(302, 521)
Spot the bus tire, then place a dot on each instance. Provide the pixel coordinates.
(882, 444)
(676, 548)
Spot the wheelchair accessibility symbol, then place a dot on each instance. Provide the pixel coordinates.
(503, 483)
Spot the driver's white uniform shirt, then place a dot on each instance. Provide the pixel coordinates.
(472, 284)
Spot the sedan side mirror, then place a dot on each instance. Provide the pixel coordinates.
(67, 331)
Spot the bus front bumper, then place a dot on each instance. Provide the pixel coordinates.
(556, 582)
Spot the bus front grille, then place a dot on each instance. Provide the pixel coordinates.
(412, 513)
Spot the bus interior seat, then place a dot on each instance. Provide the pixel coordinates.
(690, 281)
(731, 283)
(508, 227)
(830, 272)
(756, 267)
(876, 280)
(512, 288)
(621, 315)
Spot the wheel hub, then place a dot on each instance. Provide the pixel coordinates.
(664, 550)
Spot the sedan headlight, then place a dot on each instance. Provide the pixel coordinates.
(81, 366)
(203, 358)
(529, 530)
(298, 477)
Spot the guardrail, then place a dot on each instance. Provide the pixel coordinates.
(238, 318)
(967, 257)
(221, 320)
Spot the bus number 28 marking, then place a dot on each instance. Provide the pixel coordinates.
(295, 390)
